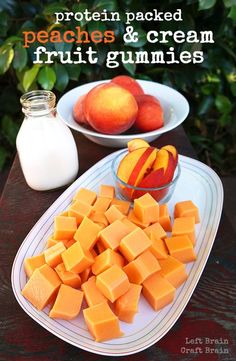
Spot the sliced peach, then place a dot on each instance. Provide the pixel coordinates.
(131, 165)
(154, 179)
(136, 144)
(165, 160)
(173, 151)
(128, 163)
(143, 166)
(135, 165)
(163, 171)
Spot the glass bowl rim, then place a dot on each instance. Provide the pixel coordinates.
(176, 176)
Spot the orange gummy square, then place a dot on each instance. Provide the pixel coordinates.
(158, 291)
(64, 227)
(142, 267)
(181, 248)
(135, 243)
(79, 210)
(102, 323)
(113, 283)
(87, 233)
(173, 270)
(146, 209)
(156, 229)
(186, 209)
(106, 191)
(112, 235)
(76, 259)
(164, 218)
(184, 226)
(122, 205)
(86, 196)
(113, 213)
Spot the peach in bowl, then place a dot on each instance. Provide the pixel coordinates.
(113, 112)
(144, 169)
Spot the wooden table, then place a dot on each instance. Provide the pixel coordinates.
(210, 314)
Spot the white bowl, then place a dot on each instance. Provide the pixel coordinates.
(174, 104)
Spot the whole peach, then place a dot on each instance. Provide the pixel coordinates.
(129, 84)
(78, 111)
(110, 109)
(150, 113)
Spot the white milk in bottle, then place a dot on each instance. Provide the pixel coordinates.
(46, 147)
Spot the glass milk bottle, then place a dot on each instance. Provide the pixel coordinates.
(45, 145)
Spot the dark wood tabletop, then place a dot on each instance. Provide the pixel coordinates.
(209, 317)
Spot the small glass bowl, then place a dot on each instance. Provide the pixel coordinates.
(127, 192)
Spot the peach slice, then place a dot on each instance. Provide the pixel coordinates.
(165, 160)
(135, 165)
(143, 166)
(128, 163)
(152, 180)
(173, 151)
(136, 144)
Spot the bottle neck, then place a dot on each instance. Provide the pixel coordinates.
(38, 103)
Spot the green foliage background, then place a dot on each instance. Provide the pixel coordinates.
(210, 87)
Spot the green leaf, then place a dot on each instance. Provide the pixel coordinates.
(199, 139)
(29, 76)
(9, 101)
(62, 77)
(63, 46)
(142, 39)
(6, 57)
(131, 68)
(47, 78)
(20, 57)
(9, 129)
(143, 77)
(109, 5)
(205, 105)
(101, 54)
(229, 3)
(13, 40)
(73, 71)
(206, 4)
(79, 8)
(4, 23)
(223, 104)
(232, 13)
(28, 25)
(54, 8)
(88, 70)
(224, 119)
(233, 88)
(219, 147)
(8, 5)
(127, 2)
(96, 26)
(3, 157)
(207, 89)
(213, 78)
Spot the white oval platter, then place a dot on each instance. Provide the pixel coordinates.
(197, 182)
